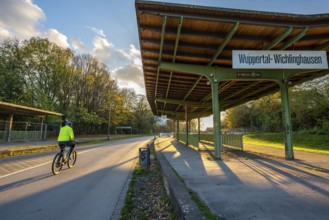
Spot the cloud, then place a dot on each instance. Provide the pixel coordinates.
(4, 34)
(135, 55)
(19, 18)
(99, 32)
(105, 52)
(56, 37)
(79, 45)
(125, 67)
(129, 73)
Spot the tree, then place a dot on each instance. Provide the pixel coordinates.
(263, 114)
(143, 115)
(38, 73)
(47, 72)
(11, 76)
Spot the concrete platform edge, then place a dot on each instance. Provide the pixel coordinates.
(184, 206)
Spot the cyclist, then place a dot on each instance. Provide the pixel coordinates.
(66, 137)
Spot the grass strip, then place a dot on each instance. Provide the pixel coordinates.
(131, 209)
(204, 209)
(129, 200)
(302, 141)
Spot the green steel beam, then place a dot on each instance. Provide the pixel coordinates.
(177, 108)
(226, 74)
(191, 89)
(188, 68)
(189, 103)
(279, 38)
(258, 90)
(181, 115)
(294, 39)
(222, 87)
(225, 42)
(169, 82)
(246, 20)
(243, 99)
(175, 52)
(177, 37)
(219, 50)
(323, 73)
(207, 97)
(322, 46)
(156, 82)
(233, 103)
(174, 101)
(164, 22)
(242, 90)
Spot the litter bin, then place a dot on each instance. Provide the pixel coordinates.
(144, 157)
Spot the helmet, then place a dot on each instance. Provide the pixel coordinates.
(68, 123)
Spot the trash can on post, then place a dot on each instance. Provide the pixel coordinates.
(144, 157)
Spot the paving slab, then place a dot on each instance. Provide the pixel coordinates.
(253, 185)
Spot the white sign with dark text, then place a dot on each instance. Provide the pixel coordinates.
(262, 59)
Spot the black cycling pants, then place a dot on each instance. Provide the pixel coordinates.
(63, 144)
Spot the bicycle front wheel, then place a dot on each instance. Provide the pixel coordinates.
(72, 160)
(57, 164)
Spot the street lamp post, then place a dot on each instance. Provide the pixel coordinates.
(108, 127)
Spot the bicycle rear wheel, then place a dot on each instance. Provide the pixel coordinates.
(72, 160)
(57, 164)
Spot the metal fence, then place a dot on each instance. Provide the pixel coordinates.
(26, 131)
(234, 141)
(3, 128)
(193, 139)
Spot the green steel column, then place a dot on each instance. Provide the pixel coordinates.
(289, 152)
(216, 118)
(199, 128)
(187, 124)
(177, 130)
(175, 134)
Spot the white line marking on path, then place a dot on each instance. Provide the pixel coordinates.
(39, 165)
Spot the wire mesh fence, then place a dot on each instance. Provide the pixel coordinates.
(26, 131)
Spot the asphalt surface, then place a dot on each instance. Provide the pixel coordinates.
(53, 141)
(257, 183)
(92, 189)
(253, 185)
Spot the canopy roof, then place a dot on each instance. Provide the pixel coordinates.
(206, 36)
(9, 108)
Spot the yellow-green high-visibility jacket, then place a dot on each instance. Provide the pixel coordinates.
(66, 134)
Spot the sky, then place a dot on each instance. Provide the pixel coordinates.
(107, 29)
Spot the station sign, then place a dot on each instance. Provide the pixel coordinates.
(271, 59)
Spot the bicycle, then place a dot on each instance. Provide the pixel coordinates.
(60, 159)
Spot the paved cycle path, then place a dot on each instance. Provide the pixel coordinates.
(248, 185)
(53, 141)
